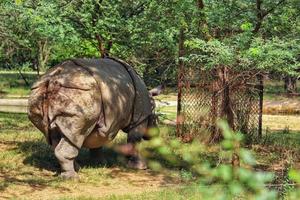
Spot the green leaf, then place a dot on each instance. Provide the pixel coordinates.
(294, 175)
(18, 2)
(247, 26)
(247, 157)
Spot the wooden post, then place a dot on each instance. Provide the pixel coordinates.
(214, 107)
(261, 101)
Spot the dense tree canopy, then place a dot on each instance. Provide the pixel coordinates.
(243, 34)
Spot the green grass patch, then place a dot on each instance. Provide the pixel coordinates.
(177, 193)
(167, 112)
(27, 164)
(13, 85)
(284, 138)
(171, 96)
(12, 121)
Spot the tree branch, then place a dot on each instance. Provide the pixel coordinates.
(136, 11)
(260, 14)
(203, 26)
(272, 9)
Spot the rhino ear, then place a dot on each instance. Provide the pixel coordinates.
(157, 90)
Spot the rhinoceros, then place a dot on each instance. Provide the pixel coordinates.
(85, 102)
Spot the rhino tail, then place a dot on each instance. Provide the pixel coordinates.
(38, 106)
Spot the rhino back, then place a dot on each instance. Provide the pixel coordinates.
(117, 93)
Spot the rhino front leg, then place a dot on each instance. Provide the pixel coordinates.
(135, 135)
(66, 153)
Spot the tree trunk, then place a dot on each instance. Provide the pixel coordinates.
(227, 111)
(215, 133)
(221, 84)
(290, 85)
(101, 47)
(202, 24)
(261, 102)
(44, 53)
(180, 80)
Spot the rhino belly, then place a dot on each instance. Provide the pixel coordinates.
(95, 140)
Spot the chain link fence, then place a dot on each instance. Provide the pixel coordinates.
(205, 96)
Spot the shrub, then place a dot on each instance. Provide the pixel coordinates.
(227, 175)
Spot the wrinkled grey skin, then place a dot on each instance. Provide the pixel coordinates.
(84, 103)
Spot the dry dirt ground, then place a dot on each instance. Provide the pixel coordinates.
(28, 170)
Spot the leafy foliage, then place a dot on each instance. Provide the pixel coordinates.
(234, 181)
(239, 34)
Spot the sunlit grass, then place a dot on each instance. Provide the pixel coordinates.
(271, 122)
(172, 96)
(28, 164)
(15, 92)
(175, 193)
(281, 122)
(167, 112)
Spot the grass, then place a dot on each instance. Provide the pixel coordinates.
(12, 85)
(288, 139)
(177, 193)
(167, 112)
(281, 122)
(271, 122)
(27, 165)
(172, 96)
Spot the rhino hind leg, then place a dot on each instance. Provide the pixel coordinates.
(66, 153)
(95, 152)
(96, 155)
(135, 135)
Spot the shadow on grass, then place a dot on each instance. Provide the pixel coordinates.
(14, 173)
(36, 183)
(39, 154)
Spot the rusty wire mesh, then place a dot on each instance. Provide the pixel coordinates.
(207, 96)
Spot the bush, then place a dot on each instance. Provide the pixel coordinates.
(228, 175)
